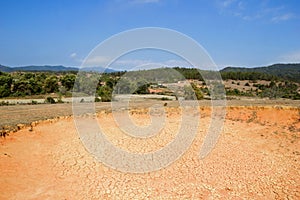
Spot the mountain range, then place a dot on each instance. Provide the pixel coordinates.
(52, 68)
(285, 71)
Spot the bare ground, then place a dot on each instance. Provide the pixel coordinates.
(256, 157)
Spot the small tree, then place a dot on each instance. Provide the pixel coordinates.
(51, 84)
(142, 87)
(5, 84)
(105, 93)
(198, 93)
(68, 81)
(191, 92)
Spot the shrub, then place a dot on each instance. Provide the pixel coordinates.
(60, 101)
(97, 99)
(4, 103)
(50, 100)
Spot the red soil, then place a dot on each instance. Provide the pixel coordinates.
(256, 157)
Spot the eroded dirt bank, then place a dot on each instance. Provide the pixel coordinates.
(256, 157)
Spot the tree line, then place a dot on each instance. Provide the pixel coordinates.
(21, 84)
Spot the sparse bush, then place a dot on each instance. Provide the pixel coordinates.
(60, 101)
(50, 100)
(296, 97)
(105, 93)
(4, 103)
(97, 99)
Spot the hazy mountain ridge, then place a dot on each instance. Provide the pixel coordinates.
(37, 68)
(52, 68)
(285, 71)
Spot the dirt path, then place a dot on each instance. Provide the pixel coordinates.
(256, 157)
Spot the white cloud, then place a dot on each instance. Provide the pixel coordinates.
(144, 1)
(282, 17)
(96, 61)
(255, 11)
(119, 63)
(241, 5)
(132, 62)
(129, 64)
(73, 55)
(227, 3)
(251, 17)
(167, 63)
(176, 63)
(292, 57)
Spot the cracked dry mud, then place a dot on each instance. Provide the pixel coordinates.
(256, 157)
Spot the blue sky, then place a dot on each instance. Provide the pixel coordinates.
(234, 32)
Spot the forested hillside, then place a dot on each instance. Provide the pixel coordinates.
(276, 81)
(285, 71)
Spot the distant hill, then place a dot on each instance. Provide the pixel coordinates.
(56, 68)
(35, 68)
(97, 69)
(45, 68)
(5, 68)
(285, 71)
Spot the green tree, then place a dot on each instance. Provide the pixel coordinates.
(189, 93)
(51, 84)
(142, 87)
(68, 81)
(5, 84)
(36, 87)
(124, 86)
(21, 87)
(105, 93)
(86, 82)
(192, 92)
(198, 92)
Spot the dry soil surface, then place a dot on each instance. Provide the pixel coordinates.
(256, 157)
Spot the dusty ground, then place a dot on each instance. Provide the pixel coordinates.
(256, 157)
(11, 116)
